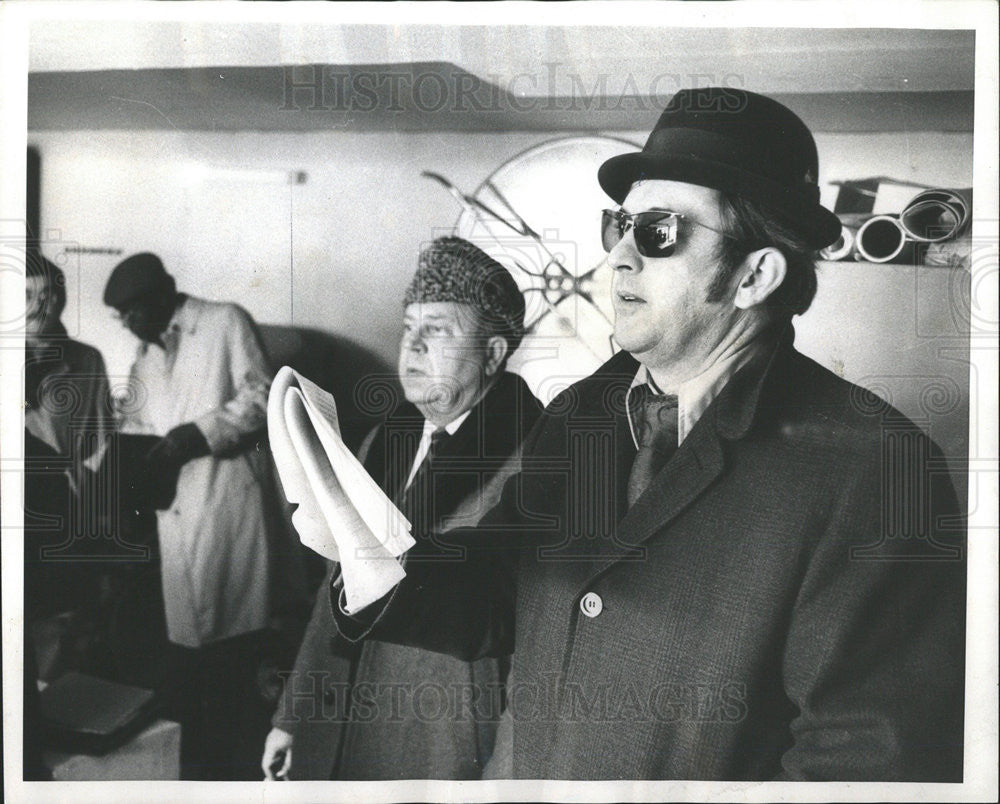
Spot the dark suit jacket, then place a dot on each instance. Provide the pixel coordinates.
(785, 601)
(395, 712)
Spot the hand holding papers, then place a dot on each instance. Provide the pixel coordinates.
(341, 512)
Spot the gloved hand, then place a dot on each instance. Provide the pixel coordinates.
(182, 444)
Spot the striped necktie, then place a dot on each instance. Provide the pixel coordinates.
(656, 426)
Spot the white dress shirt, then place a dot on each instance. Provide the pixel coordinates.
(425, 441)
(695, 395)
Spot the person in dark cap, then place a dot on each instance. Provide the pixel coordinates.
(200, 381)
(144, 295)
(373, 712)
(734, 564)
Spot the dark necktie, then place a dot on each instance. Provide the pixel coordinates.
(416, 497)
(654, 417)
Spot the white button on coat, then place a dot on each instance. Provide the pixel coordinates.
(591, 604)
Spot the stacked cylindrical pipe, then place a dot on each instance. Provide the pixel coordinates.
(934, 217)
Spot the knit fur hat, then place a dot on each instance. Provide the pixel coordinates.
(451, 269)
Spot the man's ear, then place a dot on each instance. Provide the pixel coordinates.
(761, 274)
(496, 351)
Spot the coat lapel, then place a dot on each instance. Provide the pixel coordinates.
(464, 460)
(592, 506)
(391, 456)
(596, 442)
(698, 462)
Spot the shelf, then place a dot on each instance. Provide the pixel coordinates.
(832, 265)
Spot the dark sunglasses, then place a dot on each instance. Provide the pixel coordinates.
(655, 230)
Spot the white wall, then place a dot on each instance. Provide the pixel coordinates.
(334, 253)
(899, 330)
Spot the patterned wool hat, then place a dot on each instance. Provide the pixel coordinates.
(451, 269)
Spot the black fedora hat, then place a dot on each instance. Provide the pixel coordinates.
(739, 142)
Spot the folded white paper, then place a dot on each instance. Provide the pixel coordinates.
(341, 513)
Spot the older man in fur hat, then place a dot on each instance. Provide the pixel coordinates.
(388, 711)
(735, 564)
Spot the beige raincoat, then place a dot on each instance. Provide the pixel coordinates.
(213, 539)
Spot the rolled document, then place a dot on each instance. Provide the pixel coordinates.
(936, 215)
(881, 239)
(843, 248)
(846, 247)
(341, 513)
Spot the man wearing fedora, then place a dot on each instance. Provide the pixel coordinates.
(734, 564)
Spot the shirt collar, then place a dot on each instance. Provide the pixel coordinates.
(185, 315)
(695, 395)
(451, 427)
(425, 441)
